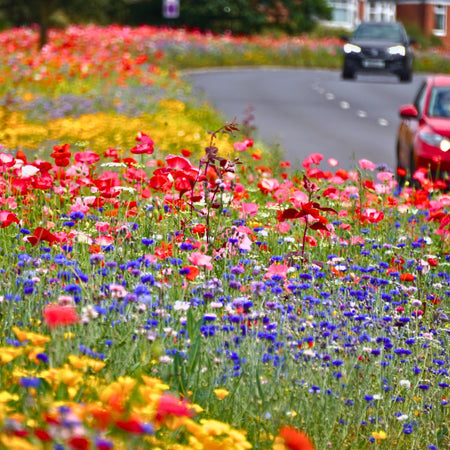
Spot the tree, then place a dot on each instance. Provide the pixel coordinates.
(247, 16)
(41, 12)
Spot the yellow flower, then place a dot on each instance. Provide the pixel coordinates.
(34, 338)
(28, 96)
(221, 393)
(379, 435)
(32, 353)
(7, 354)
(83, 363)
(6, 397)
(155, 383)
(68, 377)
(15, 443)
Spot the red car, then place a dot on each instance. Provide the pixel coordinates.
(423, 139)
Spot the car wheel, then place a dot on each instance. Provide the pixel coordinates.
(412, 170)
(348, 74)
(406, 76)
(401, 172)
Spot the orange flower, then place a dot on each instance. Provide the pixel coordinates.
(295, 439)
(407, 277)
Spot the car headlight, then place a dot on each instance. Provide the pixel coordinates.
(397, 50)
(351, 48)
(436, 140)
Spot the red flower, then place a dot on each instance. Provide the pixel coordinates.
(313, 158)
(199, 229)
(295, 439)
(7, 218)
(433, 262)
(88, 157)
(111, 153)
(407, 277)
(62, 155)
(41, 234)
(42, 435)
(170, 405)
(57, 315)
(401, 172)
(79, 443)
(193, 272)
(130, 425)
(146, 145)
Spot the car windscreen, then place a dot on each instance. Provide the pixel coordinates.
(439, 105)
(378, 32)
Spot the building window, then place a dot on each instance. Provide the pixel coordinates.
(344, 12)
(380, 11)
(440, 20)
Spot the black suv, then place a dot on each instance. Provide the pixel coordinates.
(378, 47)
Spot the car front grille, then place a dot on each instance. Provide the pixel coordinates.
(370, 52)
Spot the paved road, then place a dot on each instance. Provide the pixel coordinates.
(307, 111)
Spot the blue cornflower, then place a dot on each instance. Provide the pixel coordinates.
(77, 215)
(30, 382)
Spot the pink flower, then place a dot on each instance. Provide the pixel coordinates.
(88, 157)
(276, 269)
(269, 184)
(366, 164)
(385, 176)
(283, 227)
(332, 162)
(146, 145)
(200, 259)
(240, 146)
(102, 227)
(313, 158)
(250, 208)
(178, 162)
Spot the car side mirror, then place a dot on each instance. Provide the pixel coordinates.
(408, 112)
(412, 40)
(344, 37)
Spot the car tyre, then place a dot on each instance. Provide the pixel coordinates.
(412, 169)
(406, 76)
(348, 74)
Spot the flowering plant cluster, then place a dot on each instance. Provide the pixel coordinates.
(157, 298)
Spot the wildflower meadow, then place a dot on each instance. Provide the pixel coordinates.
(167, 282)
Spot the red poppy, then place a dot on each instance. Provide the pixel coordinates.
(170, 405)
(130, 425)
(57, 315)
(88, 157)
(62, 155)
(42, 435)
(193, 272)
(79, 443)
(111, 153)
(7, 218)
(433, 262)
(199, 229)
(407, 277)
(401, 172)
(41, 234)
(295, 439)
(145, 146)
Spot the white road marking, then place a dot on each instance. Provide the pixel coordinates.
(330, 96)
(344, 105)
(383, 122)
(361, 113)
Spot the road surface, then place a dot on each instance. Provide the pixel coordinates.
(307, 111)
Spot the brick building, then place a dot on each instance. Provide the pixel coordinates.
(432, 16)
